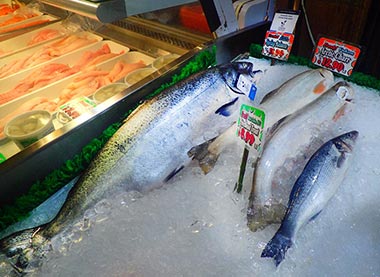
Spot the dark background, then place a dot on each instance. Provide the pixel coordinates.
(355, 21)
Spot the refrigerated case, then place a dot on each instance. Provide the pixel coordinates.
(150, 33)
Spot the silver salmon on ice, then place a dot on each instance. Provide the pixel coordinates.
(153, 143)
(287, 151)
(291, 96)
(313, 189)
(294, 94)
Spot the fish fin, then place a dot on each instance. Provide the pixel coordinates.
(341, 160)
(315, 216)
(259, 217)
(173, 173)
(205, 158)
(226, 110)
(277, 247)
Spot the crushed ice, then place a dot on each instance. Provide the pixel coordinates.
(196, 224)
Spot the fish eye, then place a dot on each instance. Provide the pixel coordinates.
(339, 145)
(344, 93)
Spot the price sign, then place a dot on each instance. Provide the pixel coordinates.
(284, 21)
(74, 109)
(250, 126)
(278, 45)
(336, 55)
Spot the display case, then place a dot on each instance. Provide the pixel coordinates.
(162, 39)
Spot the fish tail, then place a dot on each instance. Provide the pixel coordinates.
(258, 216)
(277, 247)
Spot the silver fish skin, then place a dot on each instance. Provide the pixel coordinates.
(152, 145)
(294, 94)
(289, 97)
(288, 149)
(317, 184)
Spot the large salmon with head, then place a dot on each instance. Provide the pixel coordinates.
(153, 143)
(314, 188)
(287, 150)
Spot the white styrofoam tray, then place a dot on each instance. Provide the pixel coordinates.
(13, 27)
(52, 91)
(20, 42)
(70, 59)
(27, 52)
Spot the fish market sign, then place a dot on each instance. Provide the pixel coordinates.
(336, 55)
(279, 39)
(250, 126)
(278, 45)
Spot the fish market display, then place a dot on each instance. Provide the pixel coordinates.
(26, 40)
(91, 80)
(196, 225)
(37, 103)
(313, 189)
(288, 149)
(45, 75)
(57, 48)
(152, 145)
(84, 84)
(44, 35)
(291, 96)
(22, 25)
(53, 72)
(17, 18)
(7, 9)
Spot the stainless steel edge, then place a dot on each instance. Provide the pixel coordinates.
(106, 12)
(112, 10)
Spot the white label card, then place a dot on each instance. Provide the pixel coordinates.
(284, 21)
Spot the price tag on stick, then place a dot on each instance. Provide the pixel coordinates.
(250, 130)
(336, 55)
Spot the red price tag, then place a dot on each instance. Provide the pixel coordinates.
(336, 55)
(278, 45)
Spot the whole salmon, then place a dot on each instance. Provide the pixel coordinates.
(287, 151)
(153, 143)
(311, 192)
(289, 97)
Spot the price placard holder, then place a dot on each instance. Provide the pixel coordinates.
(250, 130)
(336, 55)
(279, 39)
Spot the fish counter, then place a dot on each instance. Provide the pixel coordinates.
(46, 69)
(309, 201)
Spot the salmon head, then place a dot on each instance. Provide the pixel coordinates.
(239, 76)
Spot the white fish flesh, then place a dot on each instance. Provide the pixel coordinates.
(317, 184)
(287, 151)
